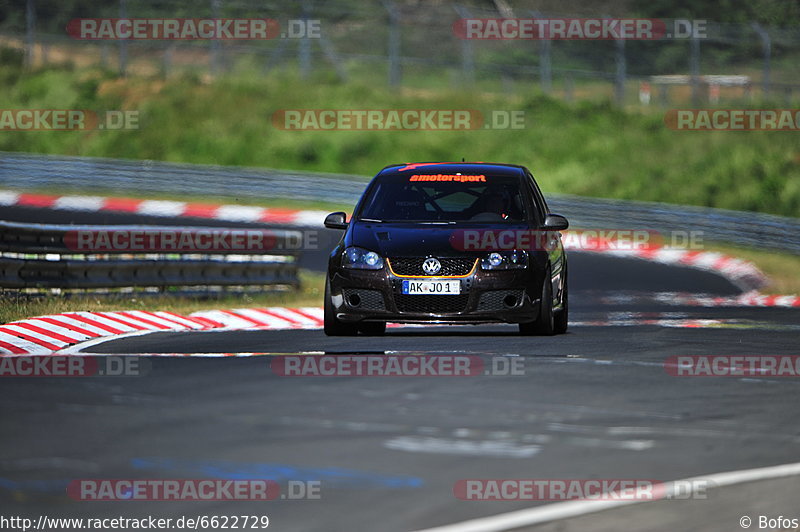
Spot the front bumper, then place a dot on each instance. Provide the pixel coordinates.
(503, 296)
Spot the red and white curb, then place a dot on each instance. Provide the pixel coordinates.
(53, 333)
(171, 209)
(266, 318)
(741, 273)
(49, 334)
(58, 332)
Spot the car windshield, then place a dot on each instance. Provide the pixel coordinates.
(445, 198)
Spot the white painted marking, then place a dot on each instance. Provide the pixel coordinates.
(707, 260)
(785, 301)
(317, 312)
(227, 320)
(310, 218)
(564, 510)
(133, 322)
(61, 330)
(34, 334)
(99, 318)
(67, 321)
(151, 316)
(8, 198)
(291, 315)
(78, 348)
(161, 208)
(239, 213)
(273, 322)
(189, 324)
(80, 203)
(416, 444)
(28, 346)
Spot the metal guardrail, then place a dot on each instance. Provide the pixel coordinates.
(715, 225)
(26, 171)
(89, 257)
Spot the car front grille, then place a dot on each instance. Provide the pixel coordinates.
(451, 266)
(431, 304)
(494, 300)
(366, 299)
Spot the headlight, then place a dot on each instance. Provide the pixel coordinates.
(361, 259)
(505, 260)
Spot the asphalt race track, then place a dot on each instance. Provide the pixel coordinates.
(597, 402)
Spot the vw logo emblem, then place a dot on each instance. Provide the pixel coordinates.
(431, 266)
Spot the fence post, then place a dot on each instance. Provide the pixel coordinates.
(622, 71)
(304, 47)
(30, 32)
(276, 56)
(766, 43)
(104, 52)
(394, 43)
(569, 87)
(123, 44)
(167, 64)
(333, 57)
(467, 51)
(215, 44)
(694, 67)
(663, 94)
(545, 59)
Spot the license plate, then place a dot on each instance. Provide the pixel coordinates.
(444, 288)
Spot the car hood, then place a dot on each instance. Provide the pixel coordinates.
(413, 240)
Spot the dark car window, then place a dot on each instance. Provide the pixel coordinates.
(446, 198)
(538, 198)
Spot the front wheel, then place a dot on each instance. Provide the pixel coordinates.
(333, 326)
(562, 315)
(372, 328)
(544, 325)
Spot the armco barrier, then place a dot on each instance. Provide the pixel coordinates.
(51, 256)
(28, 171)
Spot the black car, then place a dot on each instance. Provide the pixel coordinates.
(448, 243)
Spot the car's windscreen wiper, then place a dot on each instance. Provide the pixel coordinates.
(370, 220)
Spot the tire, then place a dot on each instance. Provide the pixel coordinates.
(333, 326)
(372, 328)
(544, 325)
(562, 316)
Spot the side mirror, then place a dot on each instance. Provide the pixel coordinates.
(336, 220)
(555, 222)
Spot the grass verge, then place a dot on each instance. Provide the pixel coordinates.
(781, 268)
(589, 148)
(20, 306)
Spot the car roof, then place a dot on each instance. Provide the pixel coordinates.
(497, 169)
